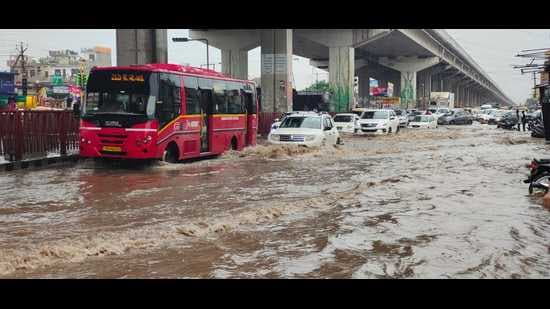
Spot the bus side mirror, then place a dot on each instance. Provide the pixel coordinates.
(76, 110)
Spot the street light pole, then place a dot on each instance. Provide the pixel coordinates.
(202, 40)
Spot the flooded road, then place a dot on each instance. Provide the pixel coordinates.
(443, 203)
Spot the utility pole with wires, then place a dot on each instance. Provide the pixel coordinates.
(21, 57)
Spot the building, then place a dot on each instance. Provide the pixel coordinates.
(64, 63)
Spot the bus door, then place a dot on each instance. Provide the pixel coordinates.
(251, 115)
(206, 95)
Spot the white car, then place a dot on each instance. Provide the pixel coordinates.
(278, 121)
(347, 123)
(380, 121)
(440, 112)
(424, 121)
(312, 130)
(403, 118)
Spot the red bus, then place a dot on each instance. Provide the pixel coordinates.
(165, 111)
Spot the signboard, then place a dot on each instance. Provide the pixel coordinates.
(75, 90)
(280, 63)
(390, 89)
(7, 85)
(379, 92)
(373, 83)
(274, 63)
(267, 63)
(60, 89)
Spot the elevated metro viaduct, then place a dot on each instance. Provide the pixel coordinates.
(416, 61)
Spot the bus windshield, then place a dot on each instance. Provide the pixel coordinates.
(121, 92)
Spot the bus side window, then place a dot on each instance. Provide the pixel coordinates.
(192, 98)
(249, 102)
(205, 95)
(220, 97)
(235, 98)
(169, 95)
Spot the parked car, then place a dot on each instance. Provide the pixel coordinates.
(485, 115)
(403, 117)
(359, 111)
(347, 123)
(455, 117)
(440, 112)
(508, 121)
(312, 130)
(412, 114)
(424, 121)
(379, 121)
(497, 116)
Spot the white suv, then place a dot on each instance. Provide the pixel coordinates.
(307, 130)
(383, 121)
(347, 123)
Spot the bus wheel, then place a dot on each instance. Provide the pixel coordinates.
(234, 143)
(171, 153)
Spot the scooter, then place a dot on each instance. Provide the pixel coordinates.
(539, 178)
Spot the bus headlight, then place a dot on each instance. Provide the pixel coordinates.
(275, 137)
(310, 138)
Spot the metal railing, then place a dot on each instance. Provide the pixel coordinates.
(37, 134)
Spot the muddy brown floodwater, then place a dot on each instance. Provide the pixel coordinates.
(445, 203)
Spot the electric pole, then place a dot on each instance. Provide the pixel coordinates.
(534, 85)
(21, 57)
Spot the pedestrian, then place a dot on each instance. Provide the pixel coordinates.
(12, 104)
(69, 102)
(517, 116)
(523, 119)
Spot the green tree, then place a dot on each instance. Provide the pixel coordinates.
(319, 86)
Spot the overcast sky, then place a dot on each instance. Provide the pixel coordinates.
(493, 50)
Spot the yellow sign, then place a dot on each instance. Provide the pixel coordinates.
(127, 77)
(112, 149)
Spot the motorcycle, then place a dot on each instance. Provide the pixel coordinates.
(539, 178)
(536, 127)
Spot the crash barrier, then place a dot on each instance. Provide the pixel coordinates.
(265, 120)
(37, 134)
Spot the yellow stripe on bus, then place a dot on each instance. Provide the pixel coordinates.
(228, 115)
(197, 115)
(170, 123)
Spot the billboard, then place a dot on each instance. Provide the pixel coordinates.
(60, 89)
(373, 83)
(7, 83)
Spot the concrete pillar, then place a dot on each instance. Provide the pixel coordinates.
(341, 67)
(408, 89)
(409, 66)
(235, 63)
(276, 70)
(141, 46)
